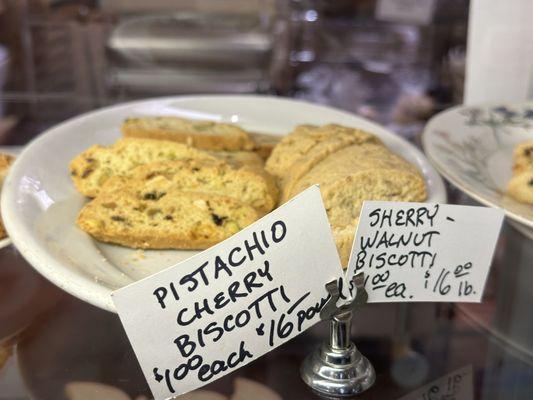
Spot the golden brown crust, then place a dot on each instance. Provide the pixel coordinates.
(205, 135)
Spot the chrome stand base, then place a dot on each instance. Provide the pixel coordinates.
(337, 372)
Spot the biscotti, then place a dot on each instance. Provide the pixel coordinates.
(249, 185)
(520, 186)
(353, 174)
(312, 142)
(206, 135)
(5, 162)
(240, 158)
(264, 144)
(91, 169)
(171, 219)
(523, 157)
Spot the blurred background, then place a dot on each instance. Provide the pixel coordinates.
(393, 61)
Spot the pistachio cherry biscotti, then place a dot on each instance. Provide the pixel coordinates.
(251, 186)
(206, 135)
(349, 176)
(171, 219)
(92, 168)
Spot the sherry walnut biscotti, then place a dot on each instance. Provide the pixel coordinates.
(310, 144)
(92, 168)
(132, 215)
(251, 186)
(206, 135)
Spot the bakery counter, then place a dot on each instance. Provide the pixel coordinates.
(54, 346)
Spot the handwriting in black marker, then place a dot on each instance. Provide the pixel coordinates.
(297, 303)
(259, 330)
(450, 219)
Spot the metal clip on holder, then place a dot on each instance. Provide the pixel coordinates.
(337, 368)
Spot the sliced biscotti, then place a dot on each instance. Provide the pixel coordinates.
(312, 142)
(132, 215)
(251, 186)
(93, 167)
(348, 177)
(362, 172)
(523, 157)
(264, 144)
(240, 158)
(206, 135)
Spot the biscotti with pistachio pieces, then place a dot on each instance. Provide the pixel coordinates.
(90, 170)
(206, 135)
(313, 142)
(133, 215)
(249, 185)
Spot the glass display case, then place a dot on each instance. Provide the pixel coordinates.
(59, 59)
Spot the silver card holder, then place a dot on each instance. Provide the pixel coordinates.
(337, 368)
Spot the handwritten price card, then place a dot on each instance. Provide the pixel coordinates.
(457, 385)
(217, 311)
(424, 252)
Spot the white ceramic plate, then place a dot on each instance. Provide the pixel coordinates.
(40, 203)
(472, 147)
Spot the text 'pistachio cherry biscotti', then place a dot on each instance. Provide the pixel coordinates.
(90, 170)
(134, 215)
(249, 185)
(206, 135)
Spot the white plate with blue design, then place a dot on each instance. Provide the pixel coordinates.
(472, 147)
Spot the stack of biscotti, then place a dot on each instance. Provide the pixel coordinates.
(155, 194)
(5, 162)
(520, 186)
(205, 135)
(350, 166)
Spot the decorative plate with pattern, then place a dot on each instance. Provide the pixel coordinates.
(472, 147)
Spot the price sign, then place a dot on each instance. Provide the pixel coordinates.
(456, 385)
(217, 311)
(424, 252)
